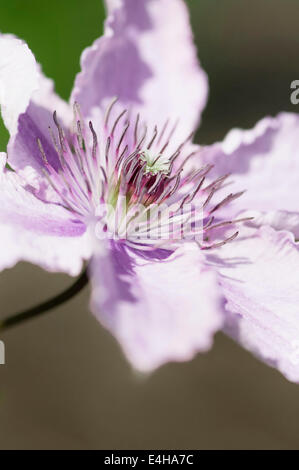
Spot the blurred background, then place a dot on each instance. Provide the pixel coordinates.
(66, 384)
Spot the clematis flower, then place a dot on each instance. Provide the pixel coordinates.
(114, 179)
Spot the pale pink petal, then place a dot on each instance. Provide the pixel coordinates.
(23, 149)
(27, 100)
(259, 279)
(44, 234)
(19, 78)
(147, 59)
(34, 124)
(279, 220)
(160, 310)
(263, 161)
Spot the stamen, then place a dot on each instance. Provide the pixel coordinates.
(107, 149)
(218, 182)
(53, 138)
(190, 136)
(198, 187)
(120, 158)
(169, 137)
(209, 198)
(167, 190)
(218, 245)
(128, 160)
(77, 113)
(104, 174)
(209, 223)
(156, 160)
(132, 169)
(139, 178)
(41, 149)
(136, 129)
(191, 155)
(226, 200)
(164, 147)
(228, 222)
(117, 120)
(95, 141)
(173, 130)
(153, 139)
(163, 131)
(199, 173)
(156, 183)
(142, 139)
(67, 203)
(80, 136)
(109, 109)
(175, 187)
(174, 156)
(60, 132)
(141, 196)
(122, 136)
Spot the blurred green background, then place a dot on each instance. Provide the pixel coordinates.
(66, 384)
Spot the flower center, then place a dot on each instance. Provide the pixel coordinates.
(125, 166)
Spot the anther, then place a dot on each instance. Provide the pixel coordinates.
(186, 159)
(226, 200)
(199, 173)
(104, 174)
(218, 245)
(122, 136)
(209, 198)
(117, 121)
(120, 158)
(136, 129)
(142, 139)
(41, 149)
(107, 149)
(95, 140)
(163, 131)
(218, 182)
(109, 109)
(154, 138)
(227, 222)
(80, 136)
(60, 132)
(53, 139)
(77, 111)
(175, 187)
(198, 187)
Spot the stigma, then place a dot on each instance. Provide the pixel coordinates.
(155, 164)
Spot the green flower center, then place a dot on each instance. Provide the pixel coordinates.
(155, 164)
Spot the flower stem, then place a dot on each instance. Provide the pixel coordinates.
(60, 299)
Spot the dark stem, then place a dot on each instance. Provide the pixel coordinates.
(60, 299)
